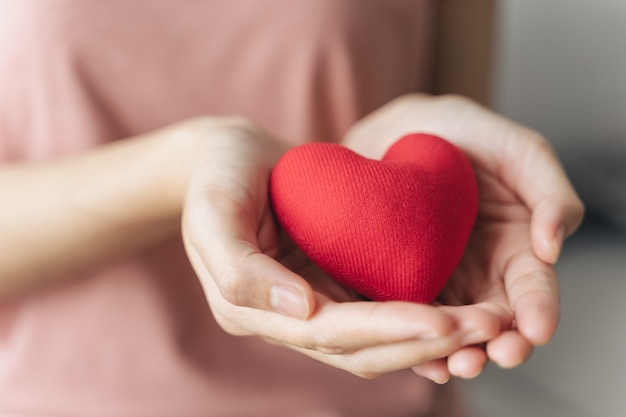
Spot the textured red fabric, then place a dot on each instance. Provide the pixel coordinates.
(393, 229)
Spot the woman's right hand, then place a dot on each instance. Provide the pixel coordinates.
(258, 283)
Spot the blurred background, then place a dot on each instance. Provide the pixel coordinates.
(559, 66)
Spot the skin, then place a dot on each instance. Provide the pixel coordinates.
(63, 216)
(503, 296)
(527, 207)
(213, 175)
(258, 283)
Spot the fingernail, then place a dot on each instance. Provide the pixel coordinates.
(288, 301)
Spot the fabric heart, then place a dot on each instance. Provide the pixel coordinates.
(393, 229)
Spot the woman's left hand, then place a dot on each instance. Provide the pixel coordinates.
(527, 207)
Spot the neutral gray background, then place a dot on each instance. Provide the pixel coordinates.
(561, 67)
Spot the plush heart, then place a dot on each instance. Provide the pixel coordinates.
(393, 229)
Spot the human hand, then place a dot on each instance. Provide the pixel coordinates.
(527, 207)
(258, 283)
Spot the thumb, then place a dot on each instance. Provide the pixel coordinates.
(555, 216)
(222, 244)
(533, 170)
(248, 278)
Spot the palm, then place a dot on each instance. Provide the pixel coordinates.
(499, 241)
(491, 277)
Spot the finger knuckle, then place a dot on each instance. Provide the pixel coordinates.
(219, 199)
(232, 284)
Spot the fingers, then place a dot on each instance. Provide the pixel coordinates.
(343, 328)
(435, 370)
(526, 163)
(482, 322)
(226, 247)
(478, 323)
(519, 289)
(518, 156)
(507, 350)
(245, 277)
(371, 339)
(367, 339)
(352, 326)
(533, 292)
(534, 172)
(521, 312)
(554, 217)
(335, 328)
(510, 349)
(379, 360)
(468, 362)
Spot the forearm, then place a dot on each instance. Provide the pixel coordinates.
(60, 217)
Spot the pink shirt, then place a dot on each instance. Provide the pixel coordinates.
(135, 337)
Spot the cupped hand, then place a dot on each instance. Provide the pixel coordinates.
(526, 209)
(258, 283)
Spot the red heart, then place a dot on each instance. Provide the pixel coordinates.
(393, 229)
